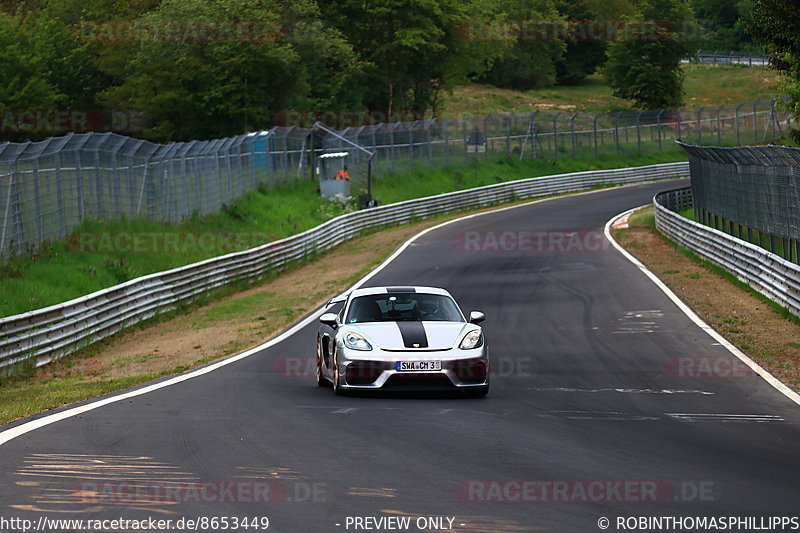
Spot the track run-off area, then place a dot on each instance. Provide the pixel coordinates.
(608, 405)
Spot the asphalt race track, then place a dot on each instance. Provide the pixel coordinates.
(606, 401)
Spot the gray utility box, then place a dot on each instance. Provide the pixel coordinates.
(328, 166)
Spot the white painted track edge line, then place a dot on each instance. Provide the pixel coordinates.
(26, 427)
(694, 317)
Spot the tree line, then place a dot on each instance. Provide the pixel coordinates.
(197, 69)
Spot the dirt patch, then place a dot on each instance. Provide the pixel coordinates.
(753, 325)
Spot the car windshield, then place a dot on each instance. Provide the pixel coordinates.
(403, 307)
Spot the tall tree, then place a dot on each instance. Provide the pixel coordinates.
(646, 66)
(230, 66)
(411, 50)
(582, 57)
(530, 28)
(23, 67)
(776, 25)
(722, 24)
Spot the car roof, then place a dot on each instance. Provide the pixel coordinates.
(399, 289)
(386, 290)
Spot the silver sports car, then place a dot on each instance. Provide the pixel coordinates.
(401, 338)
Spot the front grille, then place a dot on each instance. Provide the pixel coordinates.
(363, 372)
(422, 380)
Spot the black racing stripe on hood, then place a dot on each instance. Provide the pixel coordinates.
(413, 333)
(400, 289)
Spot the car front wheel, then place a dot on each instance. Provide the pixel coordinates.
(321, 381)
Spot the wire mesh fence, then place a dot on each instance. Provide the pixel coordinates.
(47, 188)
(751, 192)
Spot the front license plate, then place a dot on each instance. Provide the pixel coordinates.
(418, 366)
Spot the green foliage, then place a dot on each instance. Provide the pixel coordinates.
(646, 68)
(409, 53)
(776, 25)
(722, 24)
(529, 59)
(581, 57)
(25, 85)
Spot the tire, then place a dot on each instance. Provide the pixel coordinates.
(321, 381)
(337, 389)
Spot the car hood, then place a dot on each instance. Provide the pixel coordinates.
(403, 335)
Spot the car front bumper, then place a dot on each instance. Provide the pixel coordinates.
(377, 369)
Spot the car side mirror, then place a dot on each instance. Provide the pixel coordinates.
(329, 319)
(476, 317)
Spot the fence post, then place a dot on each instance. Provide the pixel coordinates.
(700, 125)
(464, 135)
(719, 125)
(572, 129)
(507, 121)
(486, 120)
(658, 128)
(555, 134)
(596, 150)
(446, 141)
(616, 129)
(755, 122)
(430, 144)
(736, 124)
(639, 131)
(98, 184)
(11, 178)
(62, 222)
(410, 147)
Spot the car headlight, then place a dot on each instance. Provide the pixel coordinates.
(354, 341)
(473, 339)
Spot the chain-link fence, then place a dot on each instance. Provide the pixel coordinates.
(752, 192)
(47, 188)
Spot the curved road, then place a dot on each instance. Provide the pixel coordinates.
(606, 401)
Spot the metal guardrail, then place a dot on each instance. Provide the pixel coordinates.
(714, 57)
(772, 276)
(49, 333)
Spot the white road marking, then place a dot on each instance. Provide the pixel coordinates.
(723, 417)
(755, 367)
(624, 391)
(91, 405)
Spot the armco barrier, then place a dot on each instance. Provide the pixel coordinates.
(772, 276)
(49, 333)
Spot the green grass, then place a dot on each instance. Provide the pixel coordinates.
(754, 237)
(23, 398)
(705, 85)
(90, 260)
